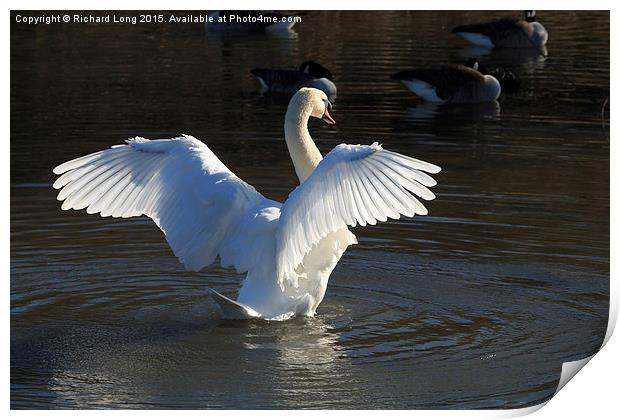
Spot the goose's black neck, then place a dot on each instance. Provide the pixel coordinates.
(530, 15)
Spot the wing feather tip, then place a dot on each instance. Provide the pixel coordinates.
(435, 170)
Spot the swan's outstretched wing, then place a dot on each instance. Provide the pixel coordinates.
(351, 185)
(179, 183)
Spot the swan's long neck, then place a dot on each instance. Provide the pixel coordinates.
(302, 149)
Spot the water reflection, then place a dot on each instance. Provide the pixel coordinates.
(283, 357)
(284, 34)
(308, 344)
(523, 60)
(455, 113)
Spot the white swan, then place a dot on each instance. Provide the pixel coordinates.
(288, 250)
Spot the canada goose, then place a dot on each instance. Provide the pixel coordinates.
(507, 79)
(451, 83)
(252, 20)
(287, 249)
(506, 33)
(289, 80)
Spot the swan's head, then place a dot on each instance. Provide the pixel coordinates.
(314, 102)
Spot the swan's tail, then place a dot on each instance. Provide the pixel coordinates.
(232, 309)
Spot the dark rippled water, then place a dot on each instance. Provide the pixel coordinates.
(474, 306)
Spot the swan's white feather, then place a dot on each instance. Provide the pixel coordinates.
(179, 183)
(232, 309)
(204, 210)
(352, 185)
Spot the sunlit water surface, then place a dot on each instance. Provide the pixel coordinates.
(476, 305)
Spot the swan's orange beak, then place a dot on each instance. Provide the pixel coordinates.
(328, 118)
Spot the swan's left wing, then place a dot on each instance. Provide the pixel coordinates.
(352, 185)
(179, 183)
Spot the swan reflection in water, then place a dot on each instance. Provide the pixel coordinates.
(275, 360)
(303, 343)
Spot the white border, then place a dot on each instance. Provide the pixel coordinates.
(593, 394)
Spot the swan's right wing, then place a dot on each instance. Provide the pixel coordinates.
(352, 185)
(179, 183)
